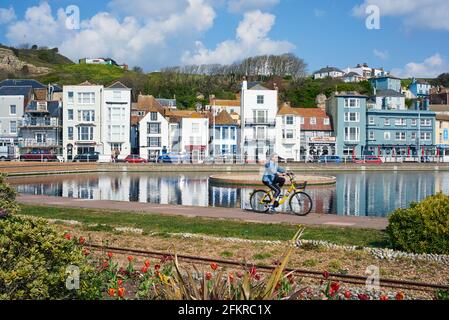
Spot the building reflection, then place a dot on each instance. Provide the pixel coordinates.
(355, 194)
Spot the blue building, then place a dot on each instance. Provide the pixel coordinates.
(386, 83)
(420, 88)
(224, 133)
(348, 115)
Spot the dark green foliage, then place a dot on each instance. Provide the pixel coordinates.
(423, 228)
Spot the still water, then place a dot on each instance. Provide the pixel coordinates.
(355, 194)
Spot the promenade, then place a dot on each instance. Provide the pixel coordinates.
(202, 212)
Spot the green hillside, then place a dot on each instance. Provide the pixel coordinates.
(40, 57)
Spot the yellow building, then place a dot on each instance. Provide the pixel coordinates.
(442, 133)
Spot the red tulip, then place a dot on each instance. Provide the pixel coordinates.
(144, 269)
(363, 297)
(326, 275)
(110, 255)
(257, 277)
(240, 275)
(105, 264)
(400, 296)
(384, 298)
(208, 276)
(130, 258)
(157, 267)
(147, 263)
(111, 292)
(68, 236)
(231, 277)
(335, 286)
(348, 295)
(82, 241)
(214, 266)
(121, 292)
(253, 271)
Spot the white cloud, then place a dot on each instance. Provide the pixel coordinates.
(384, 55)
(431, 67)
(7, 15)
(148, 42)
(251, 39)
(430, 14)
(236, 6)
(319, 13)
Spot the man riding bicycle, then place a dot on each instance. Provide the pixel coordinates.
(272, 179)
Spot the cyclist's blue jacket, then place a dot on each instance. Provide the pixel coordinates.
(271, 170)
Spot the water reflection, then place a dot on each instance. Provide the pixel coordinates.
(355, 194)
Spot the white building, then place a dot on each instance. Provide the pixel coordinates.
(328, 72)
(154, 134)
(195, 137)
(365, 71)
(288, 133)
(82, 119)
(115, 120)
(259, 107)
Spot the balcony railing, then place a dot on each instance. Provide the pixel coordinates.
(33, 143)
(258, 140)
(260, 121)
(40, 123)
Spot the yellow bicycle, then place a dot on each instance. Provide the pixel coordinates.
(300, 203)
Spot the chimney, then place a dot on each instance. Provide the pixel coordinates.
(244, 84)
(275, 86)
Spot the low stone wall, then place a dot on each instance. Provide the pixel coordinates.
(29, 168)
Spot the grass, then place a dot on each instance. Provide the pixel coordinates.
(219, 228)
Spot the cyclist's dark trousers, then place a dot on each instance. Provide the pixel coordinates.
(276, 186)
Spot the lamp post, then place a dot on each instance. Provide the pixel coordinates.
(213, 128)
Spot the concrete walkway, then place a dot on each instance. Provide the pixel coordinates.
(215, 213)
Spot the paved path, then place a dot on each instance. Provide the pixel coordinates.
(216, 213)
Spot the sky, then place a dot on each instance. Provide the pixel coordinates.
(407, 37)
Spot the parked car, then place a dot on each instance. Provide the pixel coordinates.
(7, 153)
(329, 159)
(173, 158)
(39, 155)
(369, 160)
(135, 159)
(87, 157)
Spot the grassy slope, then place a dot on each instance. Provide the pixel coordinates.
(218, 228)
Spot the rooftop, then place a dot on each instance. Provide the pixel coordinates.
(389, 93)
(15, 90)
(22, 83)
(224, 118)
(328, 69)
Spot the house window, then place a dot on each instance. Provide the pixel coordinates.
(413, 136)
(401, 122)
(154, 128)
(86, 97)
(153, 116)
(115, 133)
(195, 128)
(426, 122)
(260, 116)
(12, 110)
(414, 122)
(233, 133)
(371, 120)
(425, 136)
(13, 127)
(401, 136)
(85, 133)
(86, 116)
(288, 134)
(225, 133)
(352, 103)
(387, 136)
(70, 133)
(288, 120)
(260, 99)
(371, 135)
(386, 122)
(352, 134)
(117, 95)
(326, 121)
(154, 142)
(352, 117)
(70, 114)
(40, 137)
(70, 96)
(313, 121)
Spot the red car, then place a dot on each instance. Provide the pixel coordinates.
(135, 159)
(369, 160)
(39, 155)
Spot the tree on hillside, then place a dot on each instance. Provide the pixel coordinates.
(441, 80)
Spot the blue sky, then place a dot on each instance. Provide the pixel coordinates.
(412, 39)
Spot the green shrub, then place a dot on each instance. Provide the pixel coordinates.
(423, 228)
(7, 197)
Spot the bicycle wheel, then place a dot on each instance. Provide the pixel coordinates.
(260, 201)
(301, 204)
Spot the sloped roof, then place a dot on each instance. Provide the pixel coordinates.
(224, 118)
(15, 90)
(352, 74)
(118, 85)
(148, 103)
(327, 70)
(225, 103)
(307, 114)
(167, 102)
(256, 86)
(22, 83)
(442, 117)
